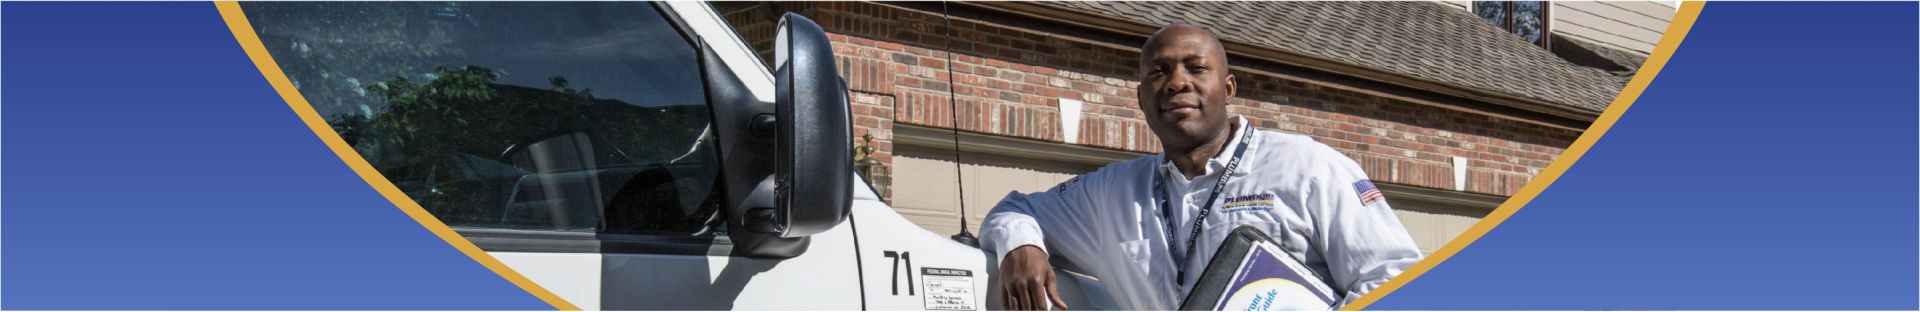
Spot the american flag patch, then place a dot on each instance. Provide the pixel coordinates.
(1368, 193)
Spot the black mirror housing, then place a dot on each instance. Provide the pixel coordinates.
(787, 167)
(744, 125)
(814, 167)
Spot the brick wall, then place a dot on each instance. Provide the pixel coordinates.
(1006, 81)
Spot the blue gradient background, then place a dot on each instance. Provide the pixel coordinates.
(1771, 165)
(152, 167)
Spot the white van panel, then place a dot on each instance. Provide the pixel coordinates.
(897, 281)
(822, 278)
(575, 277)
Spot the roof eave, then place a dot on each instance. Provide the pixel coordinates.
(1244, 50)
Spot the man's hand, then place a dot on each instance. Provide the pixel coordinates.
(1026, 280)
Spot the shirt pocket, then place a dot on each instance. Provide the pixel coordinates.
(1140, 252)
(1287, 238)
(1217, 231)
(1263, 218)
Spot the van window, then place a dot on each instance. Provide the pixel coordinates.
(584, 117)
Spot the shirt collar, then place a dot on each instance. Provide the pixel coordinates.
(1218, 162)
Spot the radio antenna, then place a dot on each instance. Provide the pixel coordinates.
(953, 115)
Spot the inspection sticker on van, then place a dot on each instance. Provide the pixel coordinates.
(948, 289)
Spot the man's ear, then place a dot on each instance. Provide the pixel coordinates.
(1232, 85)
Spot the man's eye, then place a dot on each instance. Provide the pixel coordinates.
(1197, 69)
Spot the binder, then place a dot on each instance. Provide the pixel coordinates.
(1250, 272)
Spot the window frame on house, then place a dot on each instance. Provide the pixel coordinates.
(1507, 24)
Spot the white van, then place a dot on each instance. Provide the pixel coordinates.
(626, 155)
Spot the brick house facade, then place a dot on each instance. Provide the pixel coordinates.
(1011, 74)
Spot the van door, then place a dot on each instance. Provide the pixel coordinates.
(572, 141)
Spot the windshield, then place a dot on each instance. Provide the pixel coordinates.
(534, 115)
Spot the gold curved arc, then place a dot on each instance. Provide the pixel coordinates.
(243, 33)
(1669, 42)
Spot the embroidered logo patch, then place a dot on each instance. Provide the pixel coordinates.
(1368, 193)
(1248, 202)
(1063, 186)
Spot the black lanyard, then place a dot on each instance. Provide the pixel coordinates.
(1166, 212)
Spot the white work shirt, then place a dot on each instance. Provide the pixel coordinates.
(1304, 194)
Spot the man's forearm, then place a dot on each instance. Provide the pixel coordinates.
(1010, 226)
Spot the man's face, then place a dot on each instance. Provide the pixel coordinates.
(1184, 86)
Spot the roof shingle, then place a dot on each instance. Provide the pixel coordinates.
(1419, 39)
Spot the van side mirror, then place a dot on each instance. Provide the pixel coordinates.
(787, 167)
(814, 167)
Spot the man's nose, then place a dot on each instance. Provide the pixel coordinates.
(1178, 81)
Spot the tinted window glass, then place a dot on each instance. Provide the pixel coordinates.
(1493, 11)
(525, 115)
(1526, 19)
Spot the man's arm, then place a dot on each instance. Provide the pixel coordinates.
(1038, 218)
(1023, 228)
(1363, 242)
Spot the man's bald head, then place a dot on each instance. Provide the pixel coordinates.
(1184, 87)
(1183, 31)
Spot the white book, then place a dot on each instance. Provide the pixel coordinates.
(1252, 273)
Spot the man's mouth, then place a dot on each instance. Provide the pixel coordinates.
(1179, 107)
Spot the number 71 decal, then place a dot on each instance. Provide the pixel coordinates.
(897, 257)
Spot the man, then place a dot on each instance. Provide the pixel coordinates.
(1132, 224)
